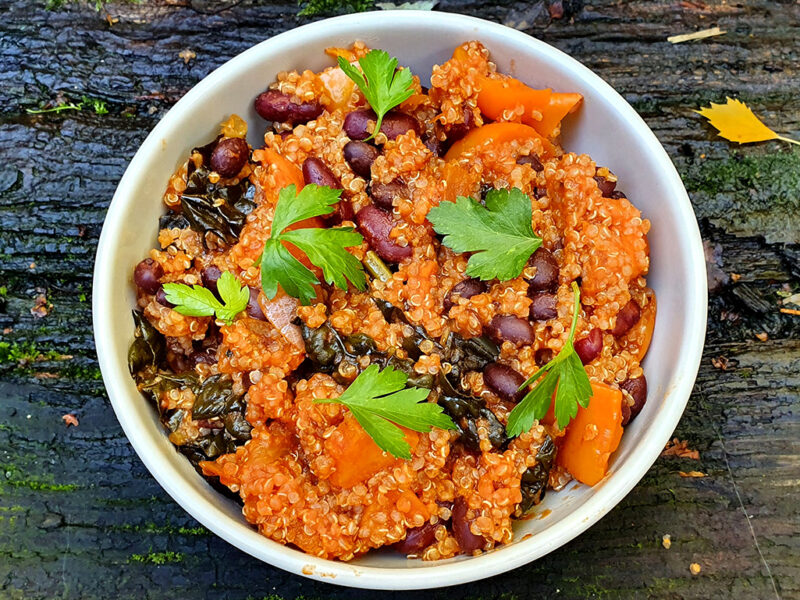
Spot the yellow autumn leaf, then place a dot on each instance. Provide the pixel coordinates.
(737, 123)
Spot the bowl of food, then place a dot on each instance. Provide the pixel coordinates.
(375, 302)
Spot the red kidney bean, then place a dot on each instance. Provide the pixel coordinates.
(543, 307)
(146, 275)
(503, 381)
(383, 194)
(617, 195)
(509, 328)
(274, 105)
(316, 171)
(360, 156)
(468, 542)
(606, 187)
(229, 156)
(590, 347)
(417, 539)
(210, 275)
(627, 318)
(253, 309)
(464, 289)
(178, 362)
(539, 192)
(546, 278)
(533, 161)
(356, 123)
(543, 356)
(376, 225)
(344, 212)
(433, 144)
(637, 388)
(161, 298)
(204, 357)
(396, 123)
(456, 131)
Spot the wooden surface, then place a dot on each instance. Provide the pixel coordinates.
(80, 517)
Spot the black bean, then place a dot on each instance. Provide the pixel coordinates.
(637, 388)
(316, 171)
(533, 161)
(590, 347)
(543, 356)
(253, 307)
(229, 156)
(503, 381)
(161, 298)
(210, 275)
(360, 156)
(356, 123)
(468, 542)
(543, 307)
(546, 278)
(606, 187)
(627, 317)
(274, 105)
(146, 275)
(463, 289)
(509, 328)
(383, 194)
(417, 539)
(376, 225)
(396, 123)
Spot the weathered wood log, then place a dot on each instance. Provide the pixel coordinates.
(80, 517)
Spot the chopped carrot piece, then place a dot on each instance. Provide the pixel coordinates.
(459, 181)
(593, 435)
(285, 171)
(559, 106)
(646, 325)
(356, 456)
(339, 87)
(335, 52)
(489, 136)
(499, 95)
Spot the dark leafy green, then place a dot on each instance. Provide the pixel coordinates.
(149, 347)
(466, 411)
(534, 480)
(216, 208)
(214, 398)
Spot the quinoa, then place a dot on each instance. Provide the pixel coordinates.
(238, 398)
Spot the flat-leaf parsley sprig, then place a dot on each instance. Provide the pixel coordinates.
(197, 301)
(378, 401)
(565, 375)
(382, 83)
(499, 234)
(325, 248)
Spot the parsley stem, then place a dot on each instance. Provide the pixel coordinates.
(576, 294)
(376, 267)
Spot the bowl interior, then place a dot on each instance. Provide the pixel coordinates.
(605, 128)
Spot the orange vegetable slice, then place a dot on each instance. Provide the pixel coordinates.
(356, 456)
(459, 181)
(558, 107)
(499, 95)
(339, 87)
(492, 135)
(593, 435)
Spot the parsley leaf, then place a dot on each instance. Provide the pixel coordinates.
(382, 85)
(500, 234)
(565, 375)
(325, 248)
(379, 402)
(197, 301)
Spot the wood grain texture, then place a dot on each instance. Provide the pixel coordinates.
(80, 517)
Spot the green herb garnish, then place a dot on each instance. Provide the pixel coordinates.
(383, 85)
(565, 375)
(197, 301)
(500, 234)
(325, 248)
(379, 403)
(99, 107)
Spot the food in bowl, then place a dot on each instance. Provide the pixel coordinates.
(401, 320)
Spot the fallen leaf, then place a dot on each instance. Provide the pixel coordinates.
(790, 311)
(666, 541)
(680, 448)
(40, 306)
(720, 362)
(763, 336)
(692, 474)
(737, 123)
(694, 568)
(187, 55)
(697, 35)
(70, 419)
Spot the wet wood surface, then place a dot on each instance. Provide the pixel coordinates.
(80, 516)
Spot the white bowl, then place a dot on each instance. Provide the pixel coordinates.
(606, 127)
